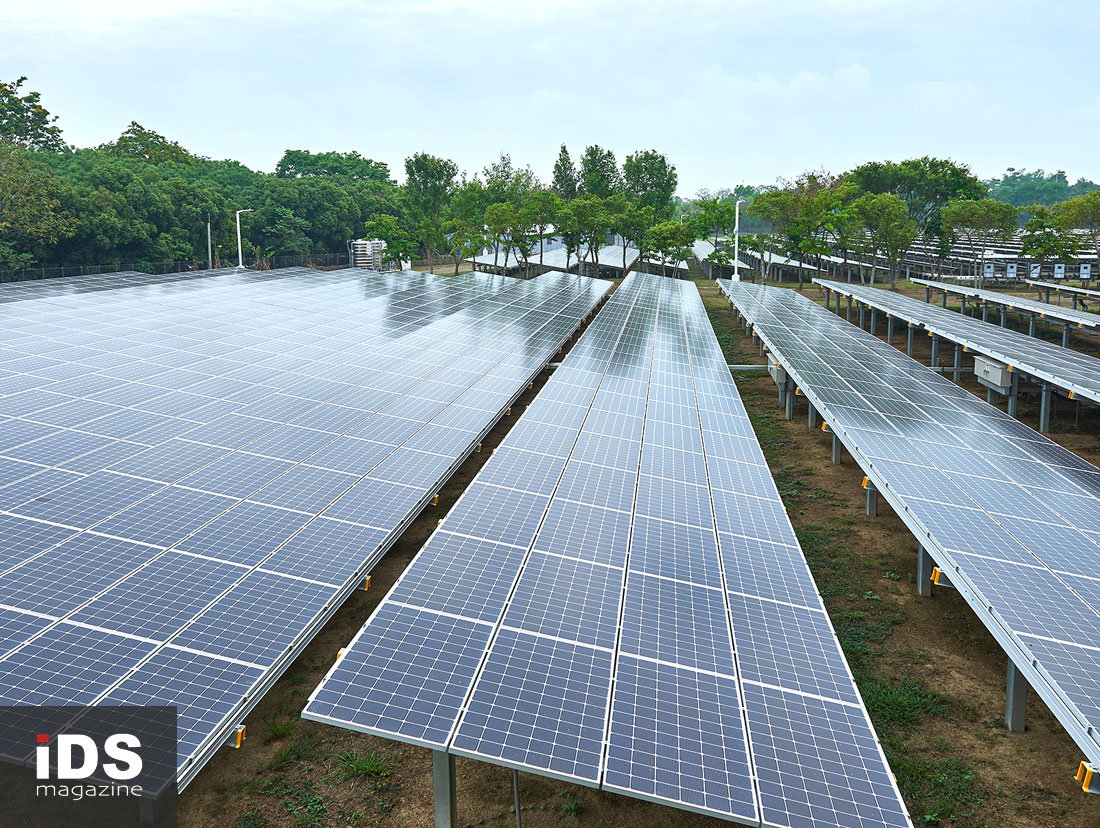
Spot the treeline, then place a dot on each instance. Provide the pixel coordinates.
(879, 209)
(1021, 188)
(145, 198)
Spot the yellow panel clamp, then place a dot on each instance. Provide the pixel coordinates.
(236, 737)
(939, 579)
(825, 427)
(366, 583)
(865, 482)
(1089, 778)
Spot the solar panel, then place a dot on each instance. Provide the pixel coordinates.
(571, 616)
(1080, 318)
(1005, 512)
(1062, 367)
(196, 470)
(1070, 289)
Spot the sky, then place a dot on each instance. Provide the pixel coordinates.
(731, 91)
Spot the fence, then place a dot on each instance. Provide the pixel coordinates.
(316, 260)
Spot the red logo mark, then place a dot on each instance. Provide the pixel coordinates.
(43, 738)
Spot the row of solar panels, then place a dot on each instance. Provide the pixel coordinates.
(195, 472)
(619, 600)
(1011, 516)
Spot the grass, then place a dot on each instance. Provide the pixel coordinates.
(282, 725)
(301, 749)
(355, 763)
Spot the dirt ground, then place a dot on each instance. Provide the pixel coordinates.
(932, 676)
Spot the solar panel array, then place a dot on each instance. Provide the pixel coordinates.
(1080, 318)
(1065, 368)
(619, 600)
(1011, 516)
(1057, 288)
(193, 475)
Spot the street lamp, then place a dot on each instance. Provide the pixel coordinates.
(737, 239)
(240, 250)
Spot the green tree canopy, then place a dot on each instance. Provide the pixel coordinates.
(565, 179)
(428, 185)
(24, 121)
(1045, 235)
(30, 212)
(599, 174)
(651, 180)
(350, 165)
(1082, 213)
(145, 144)
(981, 222)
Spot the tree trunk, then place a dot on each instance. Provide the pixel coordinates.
(431, 260)
(496, 252)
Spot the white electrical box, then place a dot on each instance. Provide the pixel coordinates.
(992, 374)
(777, 371)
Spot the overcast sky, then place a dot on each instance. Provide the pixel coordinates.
(731, 91)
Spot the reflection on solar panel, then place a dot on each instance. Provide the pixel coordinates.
(197, 472)
(619, 600)
(1071, 370)
(1010, 515)
(1080, 318)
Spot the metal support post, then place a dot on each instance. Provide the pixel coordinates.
(909, 342)
(811, 416)
(924, 571)
(890, 330)
(962, 307)
(1015, 699)
(944, 302)
(849, 316)
(927, 294)
(874, 320)
(1002, 317)
(872, 499)
(861, 317)
(935, 350)
(1065, 335)
(958, 360)
(828, 297)
(1013, 394)
(1031, 326)
(989, 392)
(985, 311)
(790, 400)
(1044, 409)
(838, 450)
(443, 789)
(515, 795)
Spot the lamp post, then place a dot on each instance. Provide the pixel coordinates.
(240, 249)
(737, 239)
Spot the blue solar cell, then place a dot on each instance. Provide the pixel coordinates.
(327, 550)
(258, 619)
(676, 735)
(408, 674)
(245, 534)
(158, 599)
(460, 575)
(88, 500)
(68, 665)
(567, 598)
(539, 703)
(166, 517)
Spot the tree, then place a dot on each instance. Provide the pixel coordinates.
(714, 217)
(599, 175)
(925, 184)
(388, 229)
(1083, 213)
(631, 221)
(651, 181)
(500, 218)
(145, 144)
(465, 240)
(981, 222)
(885, 217)
(672, 241)
(24, 121)
(428, 184)
(566, 225)
(761, 244)
(350, 165)
(565, 180)
(285, 234)
(544, 206)
(521, 233)
(1045, 236)
(30, 213)
(799, 213)
(593, 223)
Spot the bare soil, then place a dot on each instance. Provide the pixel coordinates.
(955, 761)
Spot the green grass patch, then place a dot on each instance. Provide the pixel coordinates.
(282, 725)
(355, 763)
(251, 819)
(940, 790)
(900, 704)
